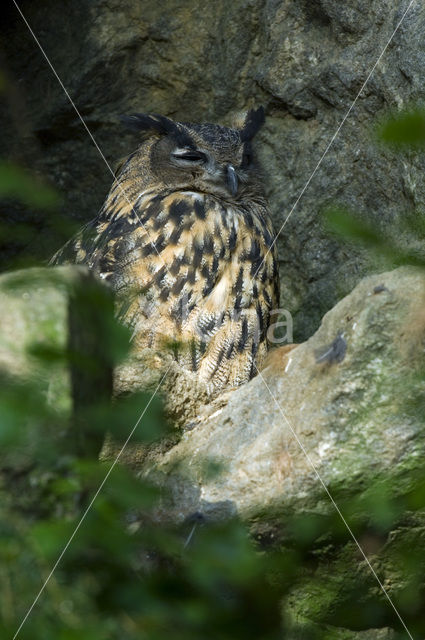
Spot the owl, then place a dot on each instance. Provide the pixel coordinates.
(185, 239)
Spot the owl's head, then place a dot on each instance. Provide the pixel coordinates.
(202, 157)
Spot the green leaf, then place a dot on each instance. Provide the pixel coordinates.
(19, 184)
(404, 130)
(344, 223)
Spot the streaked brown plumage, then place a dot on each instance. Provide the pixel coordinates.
(184, 238)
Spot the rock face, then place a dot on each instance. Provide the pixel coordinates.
(34, 313)
(53, 324)
(339, 405)
(305, 61)
(337, 416)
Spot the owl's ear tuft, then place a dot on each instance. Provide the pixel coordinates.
(254, 120)
(149, 122)
(145, 123)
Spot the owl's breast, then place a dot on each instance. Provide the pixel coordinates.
(184, 264)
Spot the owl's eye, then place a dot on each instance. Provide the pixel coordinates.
(187, 156)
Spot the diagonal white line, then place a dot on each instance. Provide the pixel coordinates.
(332, 140)
(117, 182)
(80, 522)
(189, 537)
(313, 466)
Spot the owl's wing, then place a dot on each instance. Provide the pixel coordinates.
(77, 249)
(101, 243)
(238, 344)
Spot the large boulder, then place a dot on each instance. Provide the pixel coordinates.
(34, 315)
(331, 434)
(338, 409)
(56, 347)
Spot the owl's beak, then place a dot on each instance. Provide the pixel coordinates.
(232, 180)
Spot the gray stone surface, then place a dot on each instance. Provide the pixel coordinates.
(347, 405)
(42, 321)
(338, 402)
(33, 313)
(305, 61)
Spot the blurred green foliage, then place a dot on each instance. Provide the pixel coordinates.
(125, 576)
(404, 130)
(391, 248)
(122, 576)
(20, 184)
(402, 242)
(31, 223)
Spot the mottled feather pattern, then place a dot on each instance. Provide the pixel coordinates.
(190, 266)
